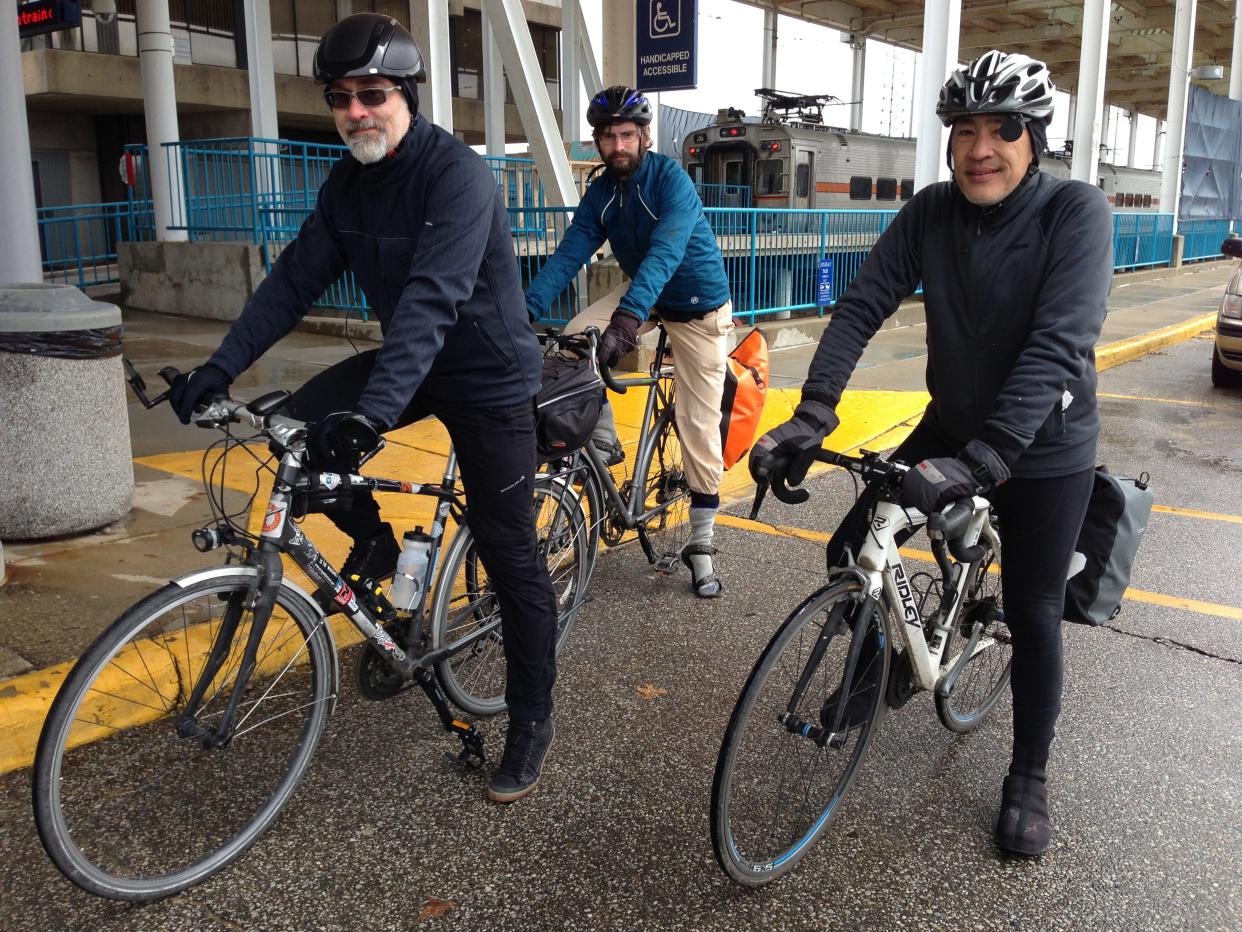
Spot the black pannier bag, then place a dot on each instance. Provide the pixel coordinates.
(568, 403)
(1100, 567)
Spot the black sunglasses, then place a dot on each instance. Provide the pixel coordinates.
(369, 97)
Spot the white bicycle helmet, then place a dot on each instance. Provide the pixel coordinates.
(998, 82)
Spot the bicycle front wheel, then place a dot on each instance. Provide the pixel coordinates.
(666, 489)
(782, 772)
(466, 614)
(130, 800)
(985, 677)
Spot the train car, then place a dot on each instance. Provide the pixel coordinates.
(790, 159)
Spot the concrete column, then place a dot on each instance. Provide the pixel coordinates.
(858, 45)
(493, 93)
(1157, 153)
(155, 48)
(768, 77)
(1071, 114)
(587, 61)
(1235, 63)
(1130, 152)
(429, 24)
(941, 27)
(1179, 90)
(1106, 127)
(620, 52)
(262, 76)
(20, 260)
(1090, 97)
(571, 87)
(517, 52)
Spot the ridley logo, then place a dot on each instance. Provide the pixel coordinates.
(880, 522)
(905, 592)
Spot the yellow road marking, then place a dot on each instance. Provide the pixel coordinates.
(1163, 401)
(1192, 513)
(1114, 354)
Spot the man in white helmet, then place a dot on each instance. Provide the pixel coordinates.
(1016, 266)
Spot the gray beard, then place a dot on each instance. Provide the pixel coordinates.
(369, 149)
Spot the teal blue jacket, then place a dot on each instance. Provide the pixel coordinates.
(660, 236)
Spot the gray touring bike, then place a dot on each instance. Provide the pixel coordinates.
(183, 730)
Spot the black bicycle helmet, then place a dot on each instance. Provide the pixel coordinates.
(371, 44)
(1001, 83)
(618, 104)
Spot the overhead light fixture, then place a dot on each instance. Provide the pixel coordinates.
(1208, 73)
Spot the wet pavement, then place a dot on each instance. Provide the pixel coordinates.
(1147, 771)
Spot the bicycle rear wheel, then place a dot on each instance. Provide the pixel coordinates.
(665, 487)
(986, 675)
(129, 802)
(466, 612)
(778, 783)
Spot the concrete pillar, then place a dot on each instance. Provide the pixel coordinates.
(941, 27)
(1235, 62)
(20, 260)
(1157, 152)
(768, 77)
(1130, 152)
(1071, 114)
(493, 93)
(1179, 90)
(858, 46)
(571, 87)
(587, 61)
(620, 52)
(1088, 117)
(155, 50)
(517, 52)
(1106, 127)
(262, 76)
(429, 24)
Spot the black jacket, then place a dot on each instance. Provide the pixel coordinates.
(426, 234)
(1015, 299)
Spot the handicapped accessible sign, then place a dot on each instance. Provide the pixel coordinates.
(666, 43)
(823, 289)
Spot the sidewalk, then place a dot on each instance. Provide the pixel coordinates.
(60, 593)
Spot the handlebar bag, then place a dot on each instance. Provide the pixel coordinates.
(745, 391)
(1117, 515)
(568, 404)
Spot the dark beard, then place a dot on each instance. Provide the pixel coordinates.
(623, 175)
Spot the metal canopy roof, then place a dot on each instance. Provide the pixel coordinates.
(1140, 37)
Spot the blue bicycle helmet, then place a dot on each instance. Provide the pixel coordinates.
(619, 104)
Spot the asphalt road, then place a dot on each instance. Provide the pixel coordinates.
(1145, 785)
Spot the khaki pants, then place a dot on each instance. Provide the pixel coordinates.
(699, 351)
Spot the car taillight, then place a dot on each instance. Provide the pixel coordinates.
(1231, 306)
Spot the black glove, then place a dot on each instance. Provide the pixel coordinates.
(619, 338)
(934, 483)
(788, 450)
(200, 385)
(338, 441)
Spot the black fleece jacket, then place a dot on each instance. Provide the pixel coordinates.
(1015, 299)
(426, 235)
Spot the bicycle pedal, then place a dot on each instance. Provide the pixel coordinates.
(668, 564)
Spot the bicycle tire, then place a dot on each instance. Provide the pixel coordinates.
(665, 485)
(985, 677)
(762, 824)
(474, 679)
(113, 778)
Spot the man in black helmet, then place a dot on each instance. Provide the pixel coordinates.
(1016, 266)
(418, 218)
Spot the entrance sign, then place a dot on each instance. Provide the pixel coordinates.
(666, 40)
(823, 284)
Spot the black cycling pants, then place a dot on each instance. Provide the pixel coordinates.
(496, 455)
(1039, 524)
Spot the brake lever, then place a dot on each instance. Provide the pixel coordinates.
(761, 491)
(139, 385)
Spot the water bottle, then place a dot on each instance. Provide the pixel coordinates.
(407, 581)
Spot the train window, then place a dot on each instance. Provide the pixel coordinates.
(770, 176)
(860, 188)
(695, 171)
(733, 171)
(803, 180)
(907, 188)
(1146, 200)
(886, 189)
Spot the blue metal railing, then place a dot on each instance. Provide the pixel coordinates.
(1142, 240)
(78, 241)
(1201, 239)
(723, 195)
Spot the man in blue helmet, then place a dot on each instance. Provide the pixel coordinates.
(418, 219)
(645, 205)
(1016, 266)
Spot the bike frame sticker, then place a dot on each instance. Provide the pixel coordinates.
(274, 519)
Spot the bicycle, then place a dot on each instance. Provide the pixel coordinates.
(211, 693)
(813, 701)
(655, 500)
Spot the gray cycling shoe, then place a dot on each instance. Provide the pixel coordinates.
(704, 580)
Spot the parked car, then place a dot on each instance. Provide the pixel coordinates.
(1227, 351)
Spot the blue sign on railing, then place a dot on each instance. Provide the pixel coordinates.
(666, 41)
(823, 289)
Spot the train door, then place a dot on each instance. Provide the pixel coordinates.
(803, 182)
(731, 164)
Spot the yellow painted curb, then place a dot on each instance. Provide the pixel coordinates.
(1114, 354)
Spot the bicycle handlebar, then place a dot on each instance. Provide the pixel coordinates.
(593, 334)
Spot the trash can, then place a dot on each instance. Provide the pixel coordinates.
(64, 433)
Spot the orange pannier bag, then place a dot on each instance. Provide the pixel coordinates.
(745, 390)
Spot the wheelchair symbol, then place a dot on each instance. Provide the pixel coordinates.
(663, 26)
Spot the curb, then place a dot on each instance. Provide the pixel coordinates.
(1114, 354)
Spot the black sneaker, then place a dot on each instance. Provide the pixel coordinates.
(526, 745)
(374, 557)
(611, 450)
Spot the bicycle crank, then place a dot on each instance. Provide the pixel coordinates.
(378, 681)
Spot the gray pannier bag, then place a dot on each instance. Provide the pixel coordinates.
(1100, 566)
